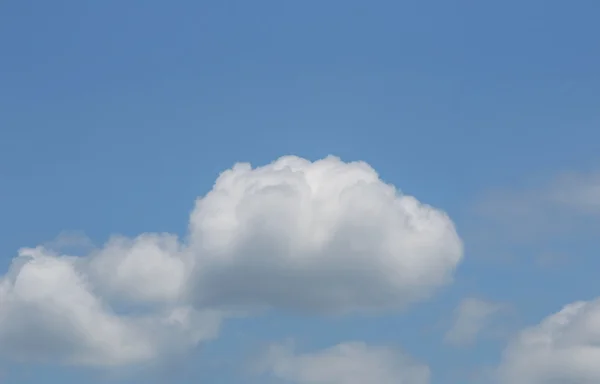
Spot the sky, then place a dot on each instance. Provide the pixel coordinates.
(299, 192)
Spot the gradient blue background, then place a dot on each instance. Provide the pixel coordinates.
(115, 115)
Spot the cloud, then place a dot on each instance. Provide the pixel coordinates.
(49, 313)
(152, 268)
(552, 220)
(563, 348)
(580, 192)
(347, 363)
(317, 237)
(557, 205)
(471, 317)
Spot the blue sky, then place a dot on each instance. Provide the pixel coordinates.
(115, 117)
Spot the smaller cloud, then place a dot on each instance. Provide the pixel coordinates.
(471, 318)
(346, 363)
(51, 314)
(562, 348)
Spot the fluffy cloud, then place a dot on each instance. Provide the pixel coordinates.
(49, 312)
(149, 268)
(347, 363)
(470, 318)
(563, 348)
(317, 237)
(322, 236)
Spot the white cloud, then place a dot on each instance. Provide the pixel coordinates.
(347, 363)
(322, 236)
(49, 312)
(318, 237)
(149, 268)
(563, 348)
(471, 317)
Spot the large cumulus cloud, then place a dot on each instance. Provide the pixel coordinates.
(318, 237)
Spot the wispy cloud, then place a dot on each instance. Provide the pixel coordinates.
(346, 363)
(543, 218)
(472, 317)
(561, 203)
(70, 242)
